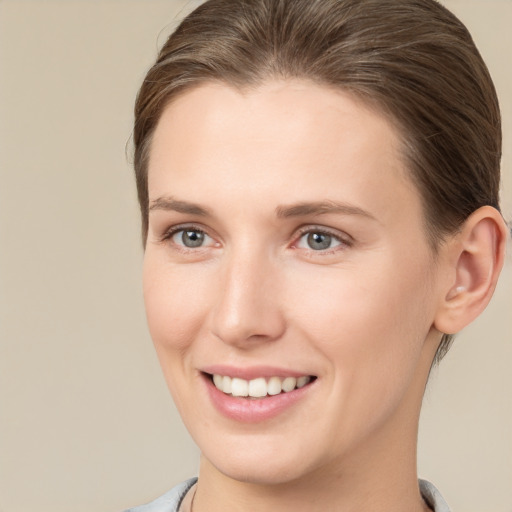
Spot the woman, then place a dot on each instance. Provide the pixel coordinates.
(318, 183)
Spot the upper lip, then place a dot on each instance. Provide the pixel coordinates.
(252, 372)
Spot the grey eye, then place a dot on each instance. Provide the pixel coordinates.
(319, 241)
(191, 238)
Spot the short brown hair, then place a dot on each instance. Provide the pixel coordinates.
(412, 59)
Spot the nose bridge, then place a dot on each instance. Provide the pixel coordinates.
(248, 300)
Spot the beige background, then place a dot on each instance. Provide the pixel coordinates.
(86, 423)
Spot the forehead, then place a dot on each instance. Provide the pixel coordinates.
(297, 105)
(283, 140)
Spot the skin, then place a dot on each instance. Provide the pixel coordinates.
(361, 316)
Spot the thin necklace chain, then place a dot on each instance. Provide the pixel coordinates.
(189, 507)
(192, 500)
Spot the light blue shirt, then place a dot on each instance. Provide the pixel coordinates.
(171, 501)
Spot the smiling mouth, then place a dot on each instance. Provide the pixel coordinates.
(259, 387)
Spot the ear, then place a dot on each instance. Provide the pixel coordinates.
(475, 259)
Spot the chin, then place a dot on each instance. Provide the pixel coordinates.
(260, 473)
(259, 463)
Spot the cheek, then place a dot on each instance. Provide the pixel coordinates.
(370, 326)
(174, 300)
(370, 319)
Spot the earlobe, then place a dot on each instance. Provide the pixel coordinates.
(477, 260)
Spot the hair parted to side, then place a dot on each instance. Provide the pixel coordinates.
(411, 59)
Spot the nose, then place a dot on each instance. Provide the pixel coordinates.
(248, 309)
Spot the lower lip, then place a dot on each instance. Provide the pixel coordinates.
(254, 410)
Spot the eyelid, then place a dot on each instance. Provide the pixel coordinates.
(169, 232)
(187, 226)
(344, 238)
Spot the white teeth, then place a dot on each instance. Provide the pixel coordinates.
(226, 384)
(274, 386)
(259, 387)
(217, 380)
(239, 387)
(288, 384)
(302, 381)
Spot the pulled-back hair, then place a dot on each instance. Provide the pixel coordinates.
(413, 60)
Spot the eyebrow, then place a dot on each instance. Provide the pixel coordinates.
(168, 203)
(171, 204)
(321, 208)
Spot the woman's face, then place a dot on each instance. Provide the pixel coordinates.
(286, 250)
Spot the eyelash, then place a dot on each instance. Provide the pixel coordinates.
(181, 228)
(344, 241)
